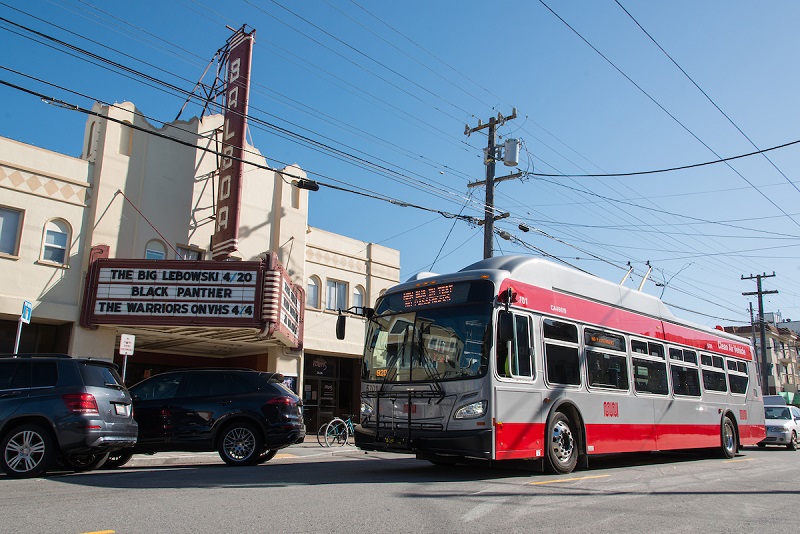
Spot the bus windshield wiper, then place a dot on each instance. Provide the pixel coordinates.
(429, 365)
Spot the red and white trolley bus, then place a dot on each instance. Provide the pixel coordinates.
(520, 358)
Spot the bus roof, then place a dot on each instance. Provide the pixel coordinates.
(566, 280)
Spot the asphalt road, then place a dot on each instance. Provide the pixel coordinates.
(310, 489)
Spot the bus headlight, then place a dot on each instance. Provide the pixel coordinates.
(472, 410)
(366, 409)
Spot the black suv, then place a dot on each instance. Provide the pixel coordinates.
(246, 415)
(55, 409)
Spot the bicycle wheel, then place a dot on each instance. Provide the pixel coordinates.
(321, 435)
(336, 433)
(351, 431)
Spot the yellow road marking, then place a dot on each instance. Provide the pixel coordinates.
(101, 532)
(286, 456)
(566, 480)
(740, 460)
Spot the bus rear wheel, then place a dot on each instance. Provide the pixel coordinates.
(729, 442)
(562, 445)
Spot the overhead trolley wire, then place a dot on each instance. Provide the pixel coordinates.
(706, 95)
(724, 160)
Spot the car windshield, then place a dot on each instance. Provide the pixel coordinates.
(444, 338)
(777, 413)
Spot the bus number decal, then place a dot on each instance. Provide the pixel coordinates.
(611, 409)
(743, 415)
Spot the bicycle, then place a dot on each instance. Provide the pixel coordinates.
(336, 432)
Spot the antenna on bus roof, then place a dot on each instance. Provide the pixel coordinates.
(630, 270)
(647, 274)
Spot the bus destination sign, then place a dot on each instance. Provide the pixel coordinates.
(428, 296)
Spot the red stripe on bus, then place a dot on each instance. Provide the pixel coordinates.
(578, 309)
(524, 440)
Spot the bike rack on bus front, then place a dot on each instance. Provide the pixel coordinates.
(393, 396)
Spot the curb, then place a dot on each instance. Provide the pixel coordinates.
(305, 450)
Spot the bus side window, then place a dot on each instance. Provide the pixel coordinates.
(562, 363)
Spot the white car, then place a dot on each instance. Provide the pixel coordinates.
(783, 426)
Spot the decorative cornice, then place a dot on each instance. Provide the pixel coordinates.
(44, 186)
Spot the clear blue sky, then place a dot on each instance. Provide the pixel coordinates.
(393, 84)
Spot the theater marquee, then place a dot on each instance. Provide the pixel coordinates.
(195, 293)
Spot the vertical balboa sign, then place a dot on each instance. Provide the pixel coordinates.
(237, 90)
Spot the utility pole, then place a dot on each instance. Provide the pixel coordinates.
(491, 156)
(765, 372)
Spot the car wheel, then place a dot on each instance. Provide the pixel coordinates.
(27, 451)
(85, 462)
(730, 445)
(266, 456)
(792, 445)
(562, 446)
(240, 444)
(117, 459)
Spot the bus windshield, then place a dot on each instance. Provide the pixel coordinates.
(436, 333)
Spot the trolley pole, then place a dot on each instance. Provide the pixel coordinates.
(489, 160)
(765, 371)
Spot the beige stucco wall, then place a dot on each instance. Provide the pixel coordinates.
(130, 187)
(331, 256)
(47, 186)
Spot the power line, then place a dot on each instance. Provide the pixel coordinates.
(670, 114)
(706, 95)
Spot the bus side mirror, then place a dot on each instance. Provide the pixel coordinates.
(340, 326)
(505, 327)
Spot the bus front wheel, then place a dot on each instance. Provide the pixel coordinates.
(562, 445)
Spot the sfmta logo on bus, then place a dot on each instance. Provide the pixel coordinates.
(611, 409)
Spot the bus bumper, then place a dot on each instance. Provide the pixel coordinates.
(469, 443)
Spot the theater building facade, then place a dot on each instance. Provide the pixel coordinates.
(118, 242)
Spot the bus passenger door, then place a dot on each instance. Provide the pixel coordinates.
(518, 413)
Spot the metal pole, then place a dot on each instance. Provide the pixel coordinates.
(763, 329)
(488, 222)
(19, 334)
(765, 373)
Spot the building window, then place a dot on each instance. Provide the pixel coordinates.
(358, 296)
(126, 139)
(189, 253)
(312, 292)
(10, 230)
(55, 248)
(337, 295)
(155, 250)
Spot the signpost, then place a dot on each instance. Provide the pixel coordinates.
(126, 343)
(25, 317)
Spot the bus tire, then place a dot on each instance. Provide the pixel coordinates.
(562, 445)
(730, 443)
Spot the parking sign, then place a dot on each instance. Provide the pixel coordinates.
(126, 343)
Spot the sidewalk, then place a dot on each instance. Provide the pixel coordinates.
(308, 448)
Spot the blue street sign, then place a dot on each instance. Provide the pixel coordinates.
(27, 311)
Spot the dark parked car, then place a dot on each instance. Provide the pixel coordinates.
(55, 409)
(243, 414)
